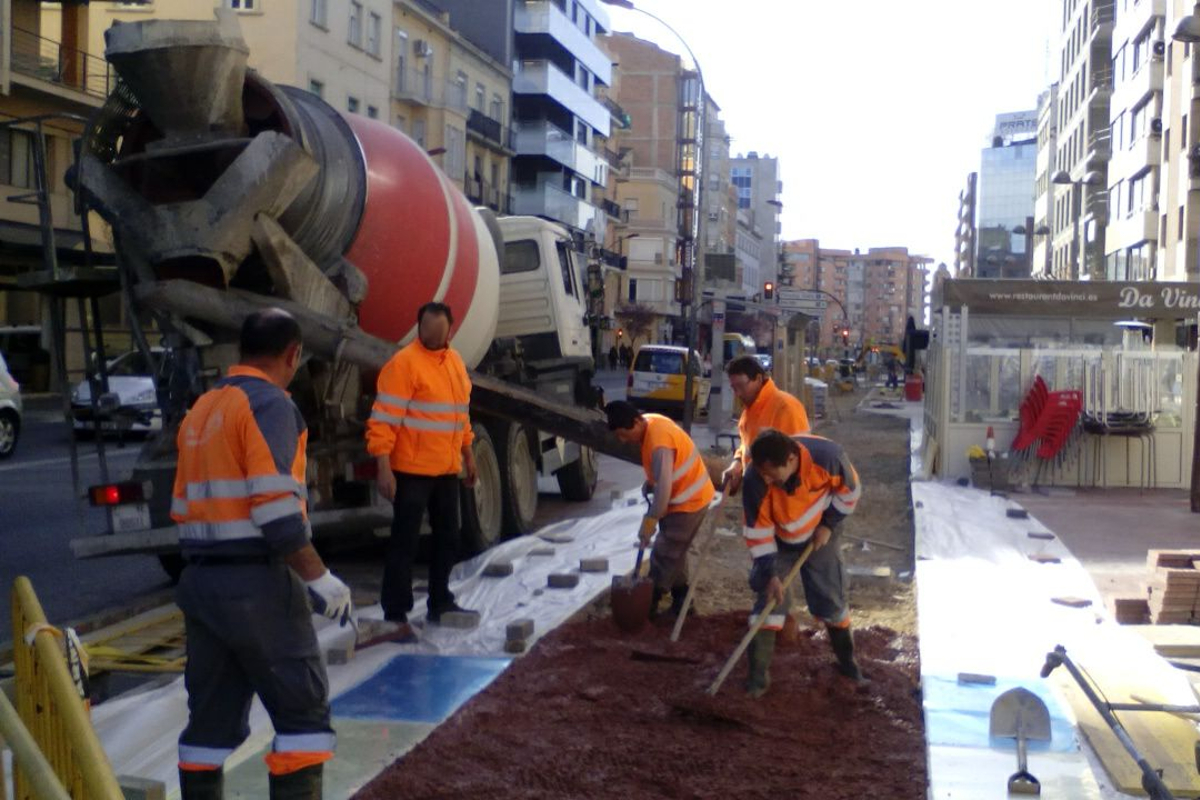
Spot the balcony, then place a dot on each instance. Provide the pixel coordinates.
(1099, 148)
(488, 129)
(1129, 161)
(1131, 229)
(544, 78)
(614, 260)
(1140, 85)
(1103, 17)
(482, 193)
(413, 87)
(1096, 205)
(1100, 86)
(551, 141)
(613, 210)
(544, 200)
(542, 18)
(47, 60)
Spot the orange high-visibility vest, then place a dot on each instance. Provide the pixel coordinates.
(825, 489)
(421, 417)
(691, 488)
(241, 465)
(773, 408)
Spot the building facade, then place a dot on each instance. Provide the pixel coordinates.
(1046, 167)
(1081, 208)
(758, 186)
(1006, 198)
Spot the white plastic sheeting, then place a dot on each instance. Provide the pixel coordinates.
(140, 730)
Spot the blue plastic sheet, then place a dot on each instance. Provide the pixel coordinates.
(419, 688)
(959, 714)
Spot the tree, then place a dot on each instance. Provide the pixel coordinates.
(638, 321)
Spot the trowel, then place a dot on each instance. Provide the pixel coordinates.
(1020, 714)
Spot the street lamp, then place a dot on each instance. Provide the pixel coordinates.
(1029, 232)
(693, 312)
(1188, 29)
(1063, 178)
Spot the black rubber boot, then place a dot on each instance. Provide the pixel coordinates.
(678, 595)
(842, 642)
(656, 600)
(202, 784)
(761, 651)
(303, 784)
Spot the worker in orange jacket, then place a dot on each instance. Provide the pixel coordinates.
(678, 480)
(240, 504)
(420, 434)
(765, 405)
(809, 488)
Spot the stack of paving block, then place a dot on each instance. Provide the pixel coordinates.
(1174, 586)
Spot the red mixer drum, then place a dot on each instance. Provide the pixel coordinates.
(418, 240)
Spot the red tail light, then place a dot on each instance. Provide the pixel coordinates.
(117, 494)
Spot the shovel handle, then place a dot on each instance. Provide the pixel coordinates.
(700, 564)
(759, 622)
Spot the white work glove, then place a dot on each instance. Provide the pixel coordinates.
(331, 598)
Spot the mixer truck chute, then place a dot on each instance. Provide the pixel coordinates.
(227, 193)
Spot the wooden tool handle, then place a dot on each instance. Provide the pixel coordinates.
(701, 563)
(759, 622)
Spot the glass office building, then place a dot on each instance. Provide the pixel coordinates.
(1006, 197)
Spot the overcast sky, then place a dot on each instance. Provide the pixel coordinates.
(877, 109)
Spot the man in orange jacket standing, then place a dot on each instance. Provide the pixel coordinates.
(765, 405)
(420, 434)
(240, 503)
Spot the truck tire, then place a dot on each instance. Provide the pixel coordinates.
(482, 506)
(577, 480)
(518, 476)
(10, 431)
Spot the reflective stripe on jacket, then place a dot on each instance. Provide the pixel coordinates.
(241, 473)
(691, 488)
(824, 490)
(773, 408)
(421, 416)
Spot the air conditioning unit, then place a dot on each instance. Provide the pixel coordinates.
(1160, 49)
(1156, 126)
(422, 48)
(714, 216)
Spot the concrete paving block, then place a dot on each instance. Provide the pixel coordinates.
(1045, 537)
(498, 569)
(563, 580)
(593, 565)
(141, 788)
(460, 619)
(975, 677)
(515, 646)
(542, 551)
(557, 538)
(519, 629)
(1017, 513)
(336, 656)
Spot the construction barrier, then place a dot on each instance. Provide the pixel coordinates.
(53, 709)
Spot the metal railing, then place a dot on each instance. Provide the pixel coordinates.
(488, 128)
(52, 709)
(39, 57)
(1104, 12)
(407, 85)
(1101, 79)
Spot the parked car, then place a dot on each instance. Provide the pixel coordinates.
(10, 411)
(657, 380)
(135, 384)
(765, 360)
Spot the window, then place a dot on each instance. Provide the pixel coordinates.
(460, 90)
(16, 158)
(372, 112)
(570, 285)
(241, 5)
(1137, 122)
(401, 123)
(581, 132)
(497, 108)
(374, 26)
(480, 98)
(418, 131)
(352, 104)
(455, 161)
(316, 87)
(520, 256)
(401, 60)
(1183, 133)
(633, 296)
(1166, 150)
(318, 13)
(356, 12)
(583, 79)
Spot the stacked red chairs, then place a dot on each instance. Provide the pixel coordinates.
(1050, 424)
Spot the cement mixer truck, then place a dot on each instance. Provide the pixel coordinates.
(227, 193)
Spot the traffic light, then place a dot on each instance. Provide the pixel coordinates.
(845, 336)
(620, 332)
(768, 291)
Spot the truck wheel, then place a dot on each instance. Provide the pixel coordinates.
(577, 480)
(482, 507)
(172, 564)
(518, 477)
(10, 431)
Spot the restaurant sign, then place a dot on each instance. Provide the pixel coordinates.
(1080, 299)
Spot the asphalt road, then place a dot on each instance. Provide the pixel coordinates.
(39, 515)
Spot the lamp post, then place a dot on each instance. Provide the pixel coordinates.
(1029, 232)
(1063, 178)
(693, 311)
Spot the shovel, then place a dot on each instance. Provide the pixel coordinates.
(715, 519)
(1020, 714)
(631, 597)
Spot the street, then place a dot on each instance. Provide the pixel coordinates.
(39, 516)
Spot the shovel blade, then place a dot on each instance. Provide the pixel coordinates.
(1020, 712)
(1024, 783)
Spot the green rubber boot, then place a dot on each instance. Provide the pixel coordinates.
(202, 784)
(303, 784)
(842, 642)
(762, 649)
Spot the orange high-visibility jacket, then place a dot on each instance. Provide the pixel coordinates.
(824, 490)
(240, 482)
(773, 408)
(691, 489)
(421, 417)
